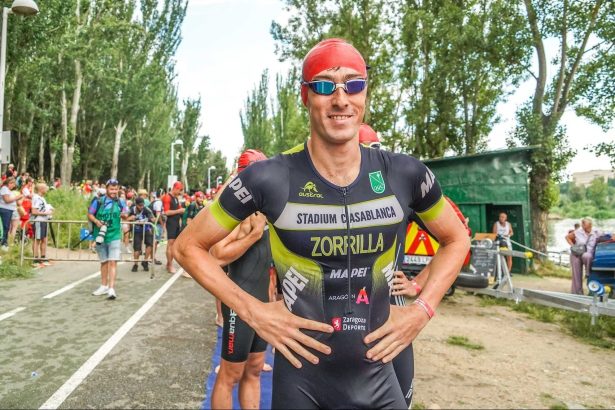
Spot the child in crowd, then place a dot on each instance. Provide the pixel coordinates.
(41, 212)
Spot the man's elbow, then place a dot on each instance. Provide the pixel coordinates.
(180, 249)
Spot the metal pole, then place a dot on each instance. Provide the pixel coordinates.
(5, 18)
(172, 158)
(209, 177)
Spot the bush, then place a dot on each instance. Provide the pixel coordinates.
(10, 267)
(68, 206)
(549, 268)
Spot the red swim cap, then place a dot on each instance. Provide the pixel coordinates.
(367, 135)
(248, 157)
(178, 185)
(330, 53)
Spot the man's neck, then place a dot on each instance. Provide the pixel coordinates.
(337, 163)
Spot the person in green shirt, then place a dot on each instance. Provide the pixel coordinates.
(195, 207)
(108, 211)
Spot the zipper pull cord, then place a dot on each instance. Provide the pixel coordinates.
(348, 304)
(401, 301)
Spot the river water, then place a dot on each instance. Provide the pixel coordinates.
(559, 228)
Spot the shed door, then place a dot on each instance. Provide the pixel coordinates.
(476, 213)
(515, 217)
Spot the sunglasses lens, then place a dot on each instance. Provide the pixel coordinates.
(375, 145)
(355, 86)
(323, 87)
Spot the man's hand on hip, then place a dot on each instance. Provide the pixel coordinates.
(274, 323)
(402, 327)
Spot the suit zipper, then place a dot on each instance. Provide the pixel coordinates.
(349, 304)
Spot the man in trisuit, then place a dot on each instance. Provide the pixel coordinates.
(403, 364)
(334, 210)
(248, 256)
(173, 211)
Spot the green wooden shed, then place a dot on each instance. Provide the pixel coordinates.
(485, 184)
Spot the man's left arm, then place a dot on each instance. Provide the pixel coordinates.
(246, 234)
(405, 322)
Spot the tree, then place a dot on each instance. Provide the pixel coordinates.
(188, 127)
(255, 122)
(289, 119)
(605, 148)
(577, 192)
(584, 30)
(597, 192)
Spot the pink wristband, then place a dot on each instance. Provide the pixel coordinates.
(430, 312)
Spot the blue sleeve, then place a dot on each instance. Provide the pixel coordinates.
(93, 208)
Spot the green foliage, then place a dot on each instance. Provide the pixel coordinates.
(90, 86)
(10, 267)
(68, 205)
(277, 124)
(548, 268)
(549, 159)
(204, 159)
(289, 119)
(255, 119)
(188, 127)
(464, 342)
(576, 201)
(605, 148)
(579, 66)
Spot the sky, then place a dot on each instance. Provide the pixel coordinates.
(226, 46)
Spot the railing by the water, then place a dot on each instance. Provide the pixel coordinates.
(559, 258)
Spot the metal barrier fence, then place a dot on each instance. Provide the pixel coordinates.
(559, 258)
(593, 305)
(73, 241)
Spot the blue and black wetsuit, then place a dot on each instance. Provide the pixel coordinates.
(334, 249)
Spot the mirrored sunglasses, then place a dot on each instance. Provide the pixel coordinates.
(326, 87)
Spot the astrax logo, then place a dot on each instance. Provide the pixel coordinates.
(309, 190)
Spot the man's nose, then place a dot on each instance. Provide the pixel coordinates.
(340, 97)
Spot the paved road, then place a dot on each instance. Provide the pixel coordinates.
(160, 363)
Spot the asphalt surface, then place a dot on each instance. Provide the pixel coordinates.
(162, 361)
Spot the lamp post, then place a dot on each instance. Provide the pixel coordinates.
(172, 176)
(209, 177)
(22, 8)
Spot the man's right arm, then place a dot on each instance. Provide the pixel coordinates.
(271, 321)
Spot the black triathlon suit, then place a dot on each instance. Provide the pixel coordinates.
(403, 363)
(173, 221)
(251, 273)
(312, 224)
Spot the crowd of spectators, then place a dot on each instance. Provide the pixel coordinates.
(22, 199)
(19, 191)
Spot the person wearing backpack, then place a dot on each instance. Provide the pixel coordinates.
(143, 232)
(106, 213)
